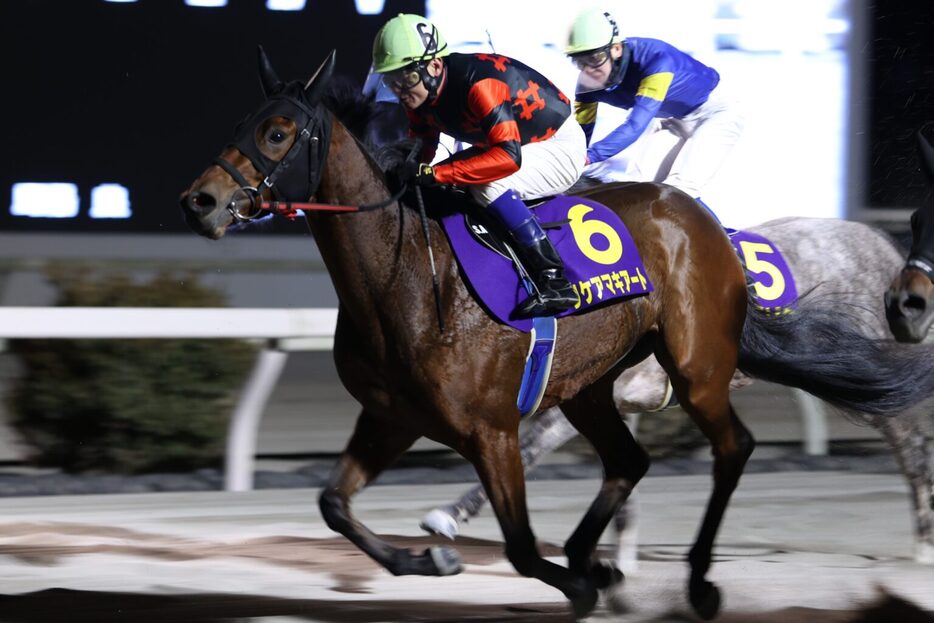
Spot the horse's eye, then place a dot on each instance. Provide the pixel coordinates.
(276, 136)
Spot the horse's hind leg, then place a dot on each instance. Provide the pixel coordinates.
(625, 462)
(374, 445)
(699, 351)
(548, 431)
(494, 452)
(701, 376)
(908, 441)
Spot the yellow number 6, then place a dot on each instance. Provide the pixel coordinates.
(585, 230)
(755, 264)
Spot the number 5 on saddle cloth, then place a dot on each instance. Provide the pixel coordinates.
(601, 263)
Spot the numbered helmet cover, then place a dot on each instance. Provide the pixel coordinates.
(406, 39)
(591, 30)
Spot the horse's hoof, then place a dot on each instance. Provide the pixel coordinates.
(705, 599)
(446, 559)
(583, 597)
(439, 522)
(616, 600)
(605, 575)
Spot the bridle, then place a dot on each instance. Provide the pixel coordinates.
(287, 177)
(922, 230)
(280, 177)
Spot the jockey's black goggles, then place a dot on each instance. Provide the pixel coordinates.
(404, 78)
(591, 59)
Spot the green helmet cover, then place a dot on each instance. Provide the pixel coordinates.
(591, 30)
(405, 39)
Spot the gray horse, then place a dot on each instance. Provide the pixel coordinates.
(840, 261)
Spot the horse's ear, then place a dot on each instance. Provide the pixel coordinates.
(316, 84)
(267, 75)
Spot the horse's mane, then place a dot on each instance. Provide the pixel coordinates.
(344, 97)
(374, 124)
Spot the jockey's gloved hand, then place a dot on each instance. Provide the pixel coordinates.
(414, 173)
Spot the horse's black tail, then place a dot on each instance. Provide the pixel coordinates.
(820, 350)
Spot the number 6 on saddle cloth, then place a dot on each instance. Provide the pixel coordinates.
(601, 263)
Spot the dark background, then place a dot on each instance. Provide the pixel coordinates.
(144, 94)
(901, 99)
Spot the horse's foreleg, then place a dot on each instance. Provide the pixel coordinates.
(625, 462)
(548, 431)
(374, 445)
(495, 454)
(907, 440)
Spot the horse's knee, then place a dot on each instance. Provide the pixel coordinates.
(333, 508)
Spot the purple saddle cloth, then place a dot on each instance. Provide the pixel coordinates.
(600, 258)
(774, 289)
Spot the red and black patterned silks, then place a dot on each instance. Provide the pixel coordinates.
(495, 103)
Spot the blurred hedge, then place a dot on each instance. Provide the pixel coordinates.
(126, 406)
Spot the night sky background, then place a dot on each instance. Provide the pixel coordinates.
(145, 94)
(901, 100)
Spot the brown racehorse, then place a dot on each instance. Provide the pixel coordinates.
(459, 387)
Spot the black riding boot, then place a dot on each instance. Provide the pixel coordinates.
(546, 269)
(538, 257)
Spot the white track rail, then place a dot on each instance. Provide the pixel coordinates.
(280, 330)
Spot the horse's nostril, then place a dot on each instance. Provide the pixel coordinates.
(200, 202)
(913, 305)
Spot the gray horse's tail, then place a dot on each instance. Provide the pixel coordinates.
(820, 350)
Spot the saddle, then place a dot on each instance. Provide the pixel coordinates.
(601, 260)
(601, 263)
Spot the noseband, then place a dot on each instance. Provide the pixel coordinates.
(282, 178)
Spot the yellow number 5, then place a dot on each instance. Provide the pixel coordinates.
(585, 230)
(755, 264)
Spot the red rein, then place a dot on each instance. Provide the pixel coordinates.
(290, 209)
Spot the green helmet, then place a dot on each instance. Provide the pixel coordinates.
(592, 29)
(405, 39)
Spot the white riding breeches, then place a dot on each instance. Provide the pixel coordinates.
(548, 167)
(684, 152)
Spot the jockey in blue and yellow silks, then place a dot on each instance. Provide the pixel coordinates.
(664, 89)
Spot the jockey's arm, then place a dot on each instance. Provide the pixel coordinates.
(489, 101)
(648, 100)
(640, 116)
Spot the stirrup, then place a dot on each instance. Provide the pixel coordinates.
(549, 302)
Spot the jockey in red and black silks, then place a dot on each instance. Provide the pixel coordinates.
(495, 103)
(526, 144)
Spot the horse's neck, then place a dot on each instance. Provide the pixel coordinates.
(364, 252)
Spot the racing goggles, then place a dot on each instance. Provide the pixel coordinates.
(404, 78)
(592, 59)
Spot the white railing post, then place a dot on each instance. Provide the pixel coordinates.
(244, 424)
(813, 423)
